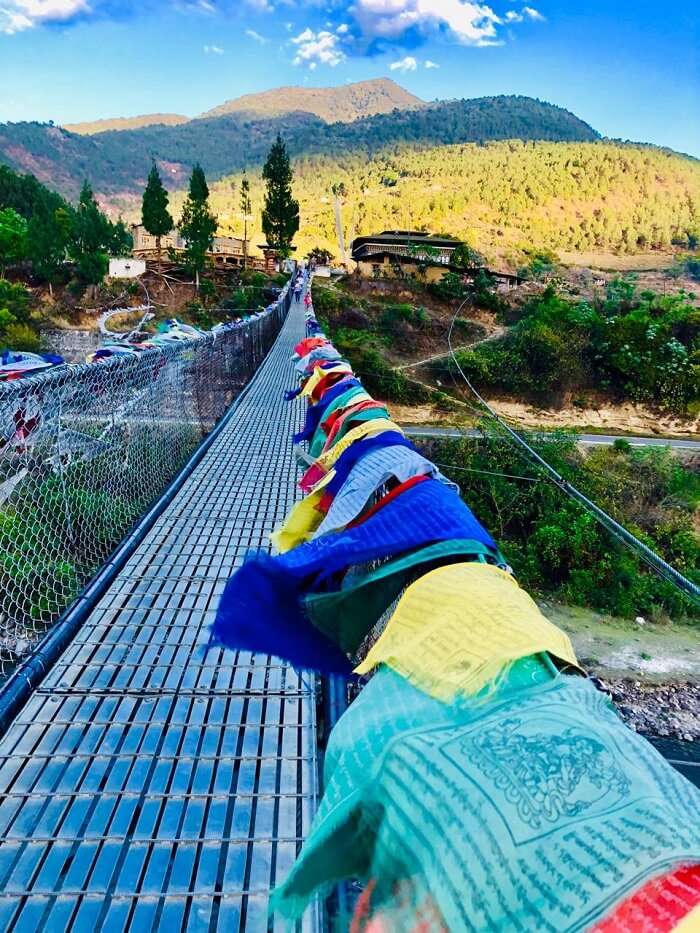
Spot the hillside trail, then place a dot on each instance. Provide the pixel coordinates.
(495, 331)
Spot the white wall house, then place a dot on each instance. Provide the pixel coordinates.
(125, 267)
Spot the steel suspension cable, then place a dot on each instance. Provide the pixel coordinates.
(650, 557)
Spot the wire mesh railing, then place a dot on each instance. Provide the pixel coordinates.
(86, 449)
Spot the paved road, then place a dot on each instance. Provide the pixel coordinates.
(588, 440)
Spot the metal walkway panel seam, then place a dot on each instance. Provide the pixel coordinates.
(147, 784)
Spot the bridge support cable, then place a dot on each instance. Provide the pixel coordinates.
(653, 560)
(147, 784)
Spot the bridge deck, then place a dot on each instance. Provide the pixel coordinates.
(145, 785)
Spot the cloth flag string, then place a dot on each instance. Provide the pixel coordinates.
(478, 781)
(315, 412)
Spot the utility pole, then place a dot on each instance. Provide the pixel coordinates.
(246, 207)
(339, 191)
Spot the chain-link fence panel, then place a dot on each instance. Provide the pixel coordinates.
(86, 449)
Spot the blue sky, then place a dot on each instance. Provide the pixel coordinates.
(631, 68)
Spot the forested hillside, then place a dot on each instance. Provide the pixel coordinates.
(116, 163)
(24, 194)
(501, 197)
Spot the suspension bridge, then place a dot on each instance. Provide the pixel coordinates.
(146, 783)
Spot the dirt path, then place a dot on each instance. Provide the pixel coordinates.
(495, 331)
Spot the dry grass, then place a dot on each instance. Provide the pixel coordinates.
(611, 262)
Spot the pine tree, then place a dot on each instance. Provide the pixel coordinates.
(89, 239)
(13, 238)
(197, 224)
(155, 216)
(120, 242)
(246, 207)
(48, 236)
(280, 216)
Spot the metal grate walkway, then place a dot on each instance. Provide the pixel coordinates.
(144, 785)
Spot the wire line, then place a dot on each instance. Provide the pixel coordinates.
(650, 557)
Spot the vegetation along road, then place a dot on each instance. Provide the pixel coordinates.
(588, 440)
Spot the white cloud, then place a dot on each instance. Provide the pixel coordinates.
(429, 64)
(318, 48)
(528, 12)
(471, 23)
(213, 50)
(405, 64)
(19, 15)
(342, 29)
(256, 35)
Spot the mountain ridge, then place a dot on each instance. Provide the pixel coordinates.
(107, 124)
(117, 161)
(343, 104)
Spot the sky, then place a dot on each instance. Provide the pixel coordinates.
(630, 68)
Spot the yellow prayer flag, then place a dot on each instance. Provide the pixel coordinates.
(299, 525)
(457, 628)
(364, 429)
(318, 374)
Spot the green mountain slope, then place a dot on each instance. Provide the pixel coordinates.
(500, 196)
(117, 162)
(24, 194)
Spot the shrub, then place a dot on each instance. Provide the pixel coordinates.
(557, 547)
(644, 347)
(254, 278)
(21, 337)
(692, 268)
(14, 298)
(326, 300)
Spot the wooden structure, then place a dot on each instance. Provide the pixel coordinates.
(401, 254)
(226, 251)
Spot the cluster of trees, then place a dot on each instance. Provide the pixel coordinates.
(556, 547)
(643, 347)
(40, 227)
(229, 143)
(59, 241)
(198, 224)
